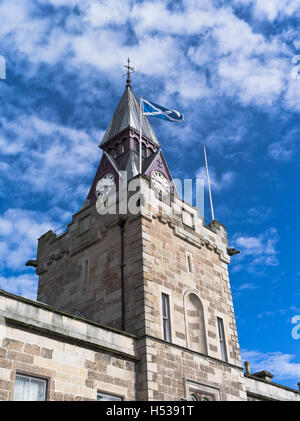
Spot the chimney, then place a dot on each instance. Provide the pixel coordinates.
(264, 375)
(247, 367)
(298, 386)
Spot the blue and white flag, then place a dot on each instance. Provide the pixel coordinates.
(154, 110)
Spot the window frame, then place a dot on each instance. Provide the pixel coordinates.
(222, 339)
(166, 317)
(30, 377)
(189, 262)
(112, 395)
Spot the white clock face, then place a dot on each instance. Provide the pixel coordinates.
(104, 185)
(160, 183)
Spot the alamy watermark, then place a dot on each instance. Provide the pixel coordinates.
(2, 67)
(296, 329)
(130, 196)
(296, 70)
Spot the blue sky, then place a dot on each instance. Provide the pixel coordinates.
(227, 65)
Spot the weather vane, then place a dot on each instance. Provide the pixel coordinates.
(130, 70)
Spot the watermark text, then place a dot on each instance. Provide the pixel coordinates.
(2, 67)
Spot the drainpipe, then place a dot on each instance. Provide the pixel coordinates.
(122, 265)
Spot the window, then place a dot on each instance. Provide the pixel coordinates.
(189, 263)
(144, 152)
(166, 317)
(120, 149)
(105, 397)
(196, 391)
(29, 388)
(136, 146)
(222, 339)
(198, 396)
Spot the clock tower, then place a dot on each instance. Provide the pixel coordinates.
(120, 145)
(159, 277)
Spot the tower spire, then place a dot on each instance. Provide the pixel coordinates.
(130, 70)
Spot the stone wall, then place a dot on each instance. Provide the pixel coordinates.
(77, 358)
(260, 390)
(175, 372)
(64, 283)
(169, 240)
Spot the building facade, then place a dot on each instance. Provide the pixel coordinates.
(134, 299)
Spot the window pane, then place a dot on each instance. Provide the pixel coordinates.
(222, 339)
(21, 389)
(220, 327)
(29, 389)
(167, 335)
(166, 317)
(105, 397)
(165, 305)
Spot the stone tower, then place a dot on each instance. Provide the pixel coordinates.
(160, 274)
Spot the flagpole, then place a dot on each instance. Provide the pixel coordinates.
(209, 189)
(140, 149)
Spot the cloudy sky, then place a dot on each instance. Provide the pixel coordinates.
(228, 66)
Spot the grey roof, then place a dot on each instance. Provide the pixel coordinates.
(129, 161)
(126, 115)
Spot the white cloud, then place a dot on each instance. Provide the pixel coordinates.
(24, 285)
(107, 12)
(242, 63)
(278, 363)
(258, 214)
(19, 232)
(155, 16)
(52, 154)
(259, 251)
(272, 9)
(220, 183)
(285, 149)
(248, 286)
(273, 313)
(292, 94)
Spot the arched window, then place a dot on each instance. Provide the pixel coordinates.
(150, 151)
(119, 149)
(136, 145)
(195, 324)
(144, 152)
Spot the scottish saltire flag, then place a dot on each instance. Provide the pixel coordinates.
(154, 110)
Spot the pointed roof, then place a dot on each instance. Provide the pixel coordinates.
(126, 115)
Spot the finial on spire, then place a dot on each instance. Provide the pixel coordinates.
(130, 70)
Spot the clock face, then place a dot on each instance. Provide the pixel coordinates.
(160, 183)
(104, 185)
